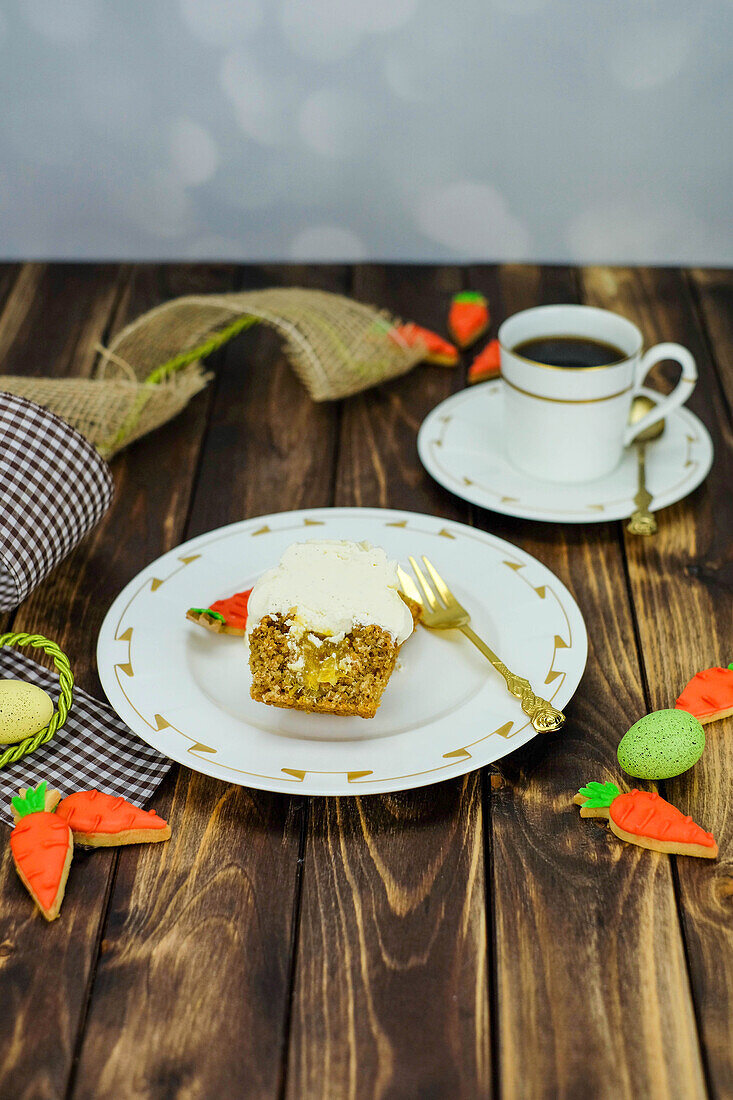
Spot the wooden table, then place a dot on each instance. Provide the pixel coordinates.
(464, 940)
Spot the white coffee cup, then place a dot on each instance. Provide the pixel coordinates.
(571, 423)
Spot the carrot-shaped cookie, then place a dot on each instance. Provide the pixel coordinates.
(709, 695)
(42, 846)
(487, 364)
(224, 616)
(437, 350)
(468, 317)
(646, 819)
(103, 820)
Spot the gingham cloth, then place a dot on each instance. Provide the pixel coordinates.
(53, 488)
(93, 750)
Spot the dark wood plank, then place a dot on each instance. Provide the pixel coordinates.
(682, 586)
(47, 969)
(269, 447)
(592, 995)
(54, 316)
(197, 949)
(9, 273)
(378, 464)
(390, 995)
(713, 291)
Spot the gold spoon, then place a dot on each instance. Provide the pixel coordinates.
(642, 522)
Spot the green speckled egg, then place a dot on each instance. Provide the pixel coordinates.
(661, 744)
(24, 710)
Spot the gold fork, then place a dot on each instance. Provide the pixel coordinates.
(442, 611)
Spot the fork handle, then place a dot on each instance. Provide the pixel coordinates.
(544, 717)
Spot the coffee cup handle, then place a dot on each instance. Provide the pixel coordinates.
(679, 394)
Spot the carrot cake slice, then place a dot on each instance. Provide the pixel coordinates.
(325, 627)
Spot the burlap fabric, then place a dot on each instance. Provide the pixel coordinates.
(154, 366)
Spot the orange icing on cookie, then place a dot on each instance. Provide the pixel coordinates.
(436, 347)
(487, 363)
(96, 812)
(708, 694)
(647, 814)
(233, 609)
(468, 317)
(40, 844)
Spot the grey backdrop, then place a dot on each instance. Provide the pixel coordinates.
(383, 129)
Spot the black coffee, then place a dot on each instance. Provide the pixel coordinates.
(570, 351)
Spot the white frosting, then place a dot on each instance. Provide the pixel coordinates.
(334, 586)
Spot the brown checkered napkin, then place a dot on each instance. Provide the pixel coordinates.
(53, 488)
(93, 749)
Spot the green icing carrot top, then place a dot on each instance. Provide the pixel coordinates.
(209, 612)
(33, 802)
(599, 795)
(469, 296)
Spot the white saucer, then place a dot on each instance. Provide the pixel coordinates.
(445, 711)
(460, 444)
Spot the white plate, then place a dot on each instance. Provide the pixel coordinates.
(460, 445)
(445, 711)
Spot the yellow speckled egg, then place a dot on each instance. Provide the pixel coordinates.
(24, 710)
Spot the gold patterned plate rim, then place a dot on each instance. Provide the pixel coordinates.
(459, 468)
(164, 677)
